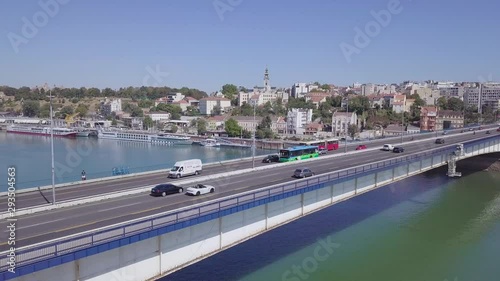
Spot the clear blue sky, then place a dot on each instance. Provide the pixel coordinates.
(110, 43)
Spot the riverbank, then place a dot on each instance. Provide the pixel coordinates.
(487, 162)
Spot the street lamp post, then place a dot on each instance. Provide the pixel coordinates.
(346, 125)
(402, 125)
(253, 145)
(52, 148)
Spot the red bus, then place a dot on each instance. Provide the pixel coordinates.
(328, 144)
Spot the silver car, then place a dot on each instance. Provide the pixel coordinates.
(303, 173)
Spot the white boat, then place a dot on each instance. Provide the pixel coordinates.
(140, 136)
(42, 131)
(83, 134)
(210, 143)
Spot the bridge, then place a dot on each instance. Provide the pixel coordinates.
(159, 235)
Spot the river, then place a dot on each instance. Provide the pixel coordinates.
(32, 158)
(425, 228)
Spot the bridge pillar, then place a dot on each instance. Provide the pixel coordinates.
(452, 161)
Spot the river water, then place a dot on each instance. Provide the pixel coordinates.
(425, 228)
(31, 156)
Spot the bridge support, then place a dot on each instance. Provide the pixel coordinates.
(452, 161)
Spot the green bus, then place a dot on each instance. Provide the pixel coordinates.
(298, 153)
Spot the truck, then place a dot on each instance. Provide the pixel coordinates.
(186, 168)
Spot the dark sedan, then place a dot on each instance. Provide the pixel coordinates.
(271, 158)
(165, 189)
(398, 149)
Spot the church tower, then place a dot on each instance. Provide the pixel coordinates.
(267, 85)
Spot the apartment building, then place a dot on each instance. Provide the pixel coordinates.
(428, 118)
(207, 105)
(297, 120)
(449, 119)
(109, 106)
(341, 121)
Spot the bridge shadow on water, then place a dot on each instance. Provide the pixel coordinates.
(256, 253)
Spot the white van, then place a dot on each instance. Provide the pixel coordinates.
(185, 168)
(388, 147)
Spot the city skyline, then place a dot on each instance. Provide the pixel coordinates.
(206, 45)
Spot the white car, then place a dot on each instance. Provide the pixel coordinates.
(388, 147)
(200, 189)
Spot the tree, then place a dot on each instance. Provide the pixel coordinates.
(217, 110)
(232, 128)
(174, 129)
(145, 103)
(352, 130)
(113, 122)
(137, 112)
(65, 111)
(325, 87)
(31, 108)
(201, 126)
(455, 104)
(230, 91)
(265, 123)
(147, 122)
(82, 110)
(442, 103)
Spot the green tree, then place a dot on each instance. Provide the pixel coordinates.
(145, 103)
(137, 112)
(65, 111)
(201, 126)
(442, 103)
(174, 129)
(230, 91)
(44, 111)
(31, 108)
(217, 110)
(232, 128)
(325, 87)
(455, 104)
(113, 122)
(82, 110)
(352, 130)
(147, 122)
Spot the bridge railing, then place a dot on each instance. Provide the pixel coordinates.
(30, 255)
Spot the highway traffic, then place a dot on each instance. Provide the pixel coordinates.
(44, 197)
(53, 224)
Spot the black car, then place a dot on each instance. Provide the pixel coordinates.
(439, 141)
(398, 149)
(488, 132)
(271, 158)
(164, 189)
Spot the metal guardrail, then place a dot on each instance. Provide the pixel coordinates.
(68, 245)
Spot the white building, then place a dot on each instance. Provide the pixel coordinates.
(159, 116)
(452, 92)
(170, 98)
(483, 94)
(109, 106)
(299, 90)
(262, 95)
(341, 121)
(207, 105)
(298, 119)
